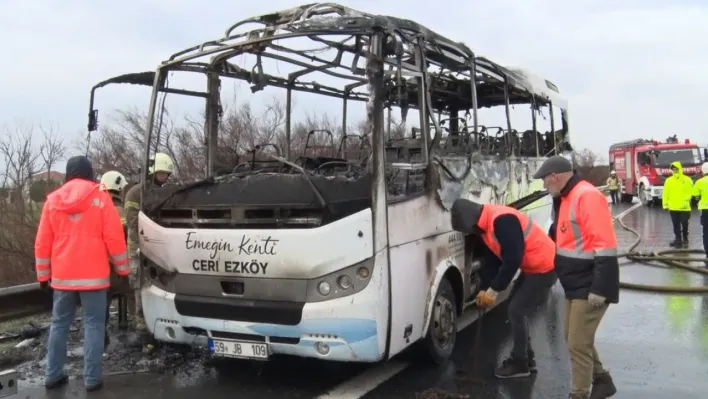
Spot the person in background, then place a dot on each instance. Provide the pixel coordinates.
(613, 185)
(700, 190)
(79, 230)
(676, 198)
(113, 183)
(587, 267)
(160, 169)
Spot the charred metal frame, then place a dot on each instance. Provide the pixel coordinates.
(464, 81)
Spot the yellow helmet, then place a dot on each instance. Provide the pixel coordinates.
(161, 162)
(113, 180)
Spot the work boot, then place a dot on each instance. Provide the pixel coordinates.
(61, 381)
(513, 368)
(578, 395)
(684, 244)
(676, 243)
(602, 386)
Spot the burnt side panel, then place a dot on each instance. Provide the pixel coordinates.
(235, 309)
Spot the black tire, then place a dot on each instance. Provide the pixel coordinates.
(626, 198)
(442, 316)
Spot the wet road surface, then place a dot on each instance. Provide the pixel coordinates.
(655, 345)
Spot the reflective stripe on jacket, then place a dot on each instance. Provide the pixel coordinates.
(540, 251)
(678, 190)
(586, 245)
(78, 232)
(700, 190)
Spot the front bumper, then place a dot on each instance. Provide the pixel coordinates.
(656, 192)
(352, 327)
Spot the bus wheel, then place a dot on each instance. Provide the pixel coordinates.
(442, 329)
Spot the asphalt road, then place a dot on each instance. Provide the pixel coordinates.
(655, 345)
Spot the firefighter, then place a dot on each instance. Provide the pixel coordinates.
(676, 198)
(512, 242)
(113, 183)
(79, 233)
(700, 190)
(587, 267)
(160, 169)
(613, 186)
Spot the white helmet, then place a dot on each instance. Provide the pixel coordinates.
(161, 162)
(113, 181)
(704, 169)
(613, 172)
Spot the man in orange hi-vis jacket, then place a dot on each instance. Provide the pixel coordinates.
(79, 233)
(587, 268)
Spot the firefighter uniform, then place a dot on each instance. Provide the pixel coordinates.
(613, 186)
(113, 183)
(161, 165)
(700, 190)
(514, 243)
(587, 267)
(676, 198)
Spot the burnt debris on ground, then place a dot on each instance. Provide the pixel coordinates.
(23, 347)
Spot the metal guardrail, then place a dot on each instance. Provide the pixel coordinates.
(23, 300)
(8, 383)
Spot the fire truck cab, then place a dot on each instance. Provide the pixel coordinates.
(643, 165)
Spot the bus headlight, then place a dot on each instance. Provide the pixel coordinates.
(324, 288)
(341, 283)
(345, 282)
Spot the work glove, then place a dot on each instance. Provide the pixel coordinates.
(486, 299)
(44, 286)
(596, 301)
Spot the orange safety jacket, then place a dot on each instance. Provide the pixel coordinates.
(540, 251)
(78, 231)
(586, 245)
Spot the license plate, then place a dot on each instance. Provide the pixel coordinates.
(239, 349)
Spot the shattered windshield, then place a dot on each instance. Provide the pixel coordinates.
(687, 156)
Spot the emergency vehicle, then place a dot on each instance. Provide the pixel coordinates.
(643, 165)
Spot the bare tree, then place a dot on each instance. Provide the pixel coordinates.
(52, 150)
(21, 158)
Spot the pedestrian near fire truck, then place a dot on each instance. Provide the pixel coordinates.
(587, 267)
(678, 190)
(513, 242)
(79, 232)
(613, 186)
(700, 190)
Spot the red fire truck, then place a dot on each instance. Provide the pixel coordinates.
(642, 165)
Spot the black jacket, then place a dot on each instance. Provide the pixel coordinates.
(581, 277)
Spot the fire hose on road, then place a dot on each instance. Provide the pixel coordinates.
(678, 258)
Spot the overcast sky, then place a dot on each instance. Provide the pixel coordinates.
(628, 68)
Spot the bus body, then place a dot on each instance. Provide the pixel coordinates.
(333, 257)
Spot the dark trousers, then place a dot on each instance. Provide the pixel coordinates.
(528, 293)
(680, 221)
(613, 195)
(704, 223)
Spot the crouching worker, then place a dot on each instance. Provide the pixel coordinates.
(79, 232)
(113, 183)
(514, 242)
